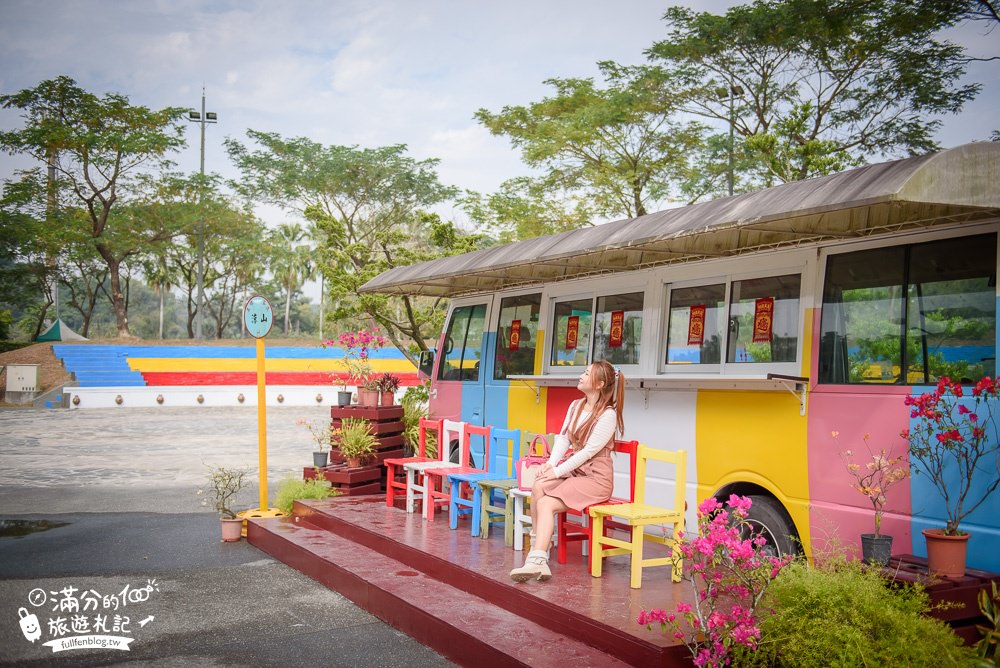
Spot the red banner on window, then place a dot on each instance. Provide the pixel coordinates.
(515, 335)
(617, 323)
(696, 326)
(572, 330)
(763, 319)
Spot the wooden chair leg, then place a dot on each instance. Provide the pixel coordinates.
(508, 520)
(596, 546)
(637, 540)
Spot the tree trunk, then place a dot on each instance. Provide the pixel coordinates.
(117, 296)
(161, 312)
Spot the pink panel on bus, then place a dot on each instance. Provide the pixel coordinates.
(836, 509)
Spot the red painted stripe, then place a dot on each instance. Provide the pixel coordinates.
(250, 378)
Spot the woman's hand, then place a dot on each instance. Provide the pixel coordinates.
(547, 471)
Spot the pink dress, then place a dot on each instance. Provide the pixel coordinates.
(588, 484)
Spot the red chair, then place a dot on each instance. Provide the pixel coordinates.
(395, 464)
(435, 493)
(572, 531)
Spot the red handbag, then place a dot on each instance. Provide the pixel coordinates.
(529, 465)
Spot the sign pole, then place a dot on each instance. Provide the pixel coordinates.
(257, 319)
(262, 423)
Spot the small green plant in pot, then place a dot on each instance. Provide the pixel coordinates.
(322, 435)
(355, 441)
(223, 486)
(954, 443)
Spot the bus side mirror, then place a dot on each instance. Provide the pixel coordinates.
(426, 367)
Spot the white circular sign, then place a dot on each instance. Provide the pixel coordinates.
(258, 316)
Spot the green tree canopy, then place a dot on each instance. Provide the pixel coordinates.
(824, 84)
(94, 144)
(370, 206)
(622, 144)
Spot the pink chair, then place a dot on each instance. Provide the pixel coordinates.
(436, 494)
(416, 479)
(394, 464)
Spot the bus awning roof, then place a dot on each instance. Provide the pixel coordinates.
(957, 185)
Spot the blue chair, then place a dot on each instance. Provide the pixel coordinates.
(465, 493)
(495, 503)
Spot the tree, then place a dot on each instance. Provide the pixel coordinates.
(370, 204)
(524, 208)
(95, 145)
(622, 145)
(292, 261)
(825, 83)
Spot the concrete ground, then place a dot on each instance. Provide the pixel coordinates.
(117, 531)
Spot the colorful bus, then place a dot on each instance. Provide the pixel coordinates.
(751, 330)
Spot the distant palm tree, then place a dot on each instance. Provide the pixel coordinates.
(293, 262)
(161, 278)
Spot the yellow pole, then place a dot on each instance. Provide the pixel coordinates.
(262, 423)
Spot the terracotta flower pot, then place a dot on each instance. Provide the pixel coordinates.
(387, 398)
(232, 529)
(353, 462)
(945, 554)
(367, 398)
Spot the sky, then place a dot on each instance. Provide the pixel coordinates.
(360, 72)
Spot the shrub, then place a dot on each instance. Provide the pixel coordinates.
(291, 489)
(842, 614)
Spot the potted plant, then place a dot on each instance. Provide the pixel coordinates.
(954, 443)
(355, 441)
(322, 435)
(387, 386)
(873, 479)
(368, 392)
(224, 484)
(357, 347)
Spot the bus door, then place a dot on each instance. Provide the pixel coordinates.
(457, 388)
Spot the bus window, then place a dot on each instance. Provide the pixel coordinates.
(517, 332)
(617, 328)
(951, 310)
(948, 309)
(571, 339)
(764, 319)
(462, 344)
(694, 330)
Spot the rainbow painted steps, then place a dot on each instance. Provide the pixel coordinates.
(96, 365)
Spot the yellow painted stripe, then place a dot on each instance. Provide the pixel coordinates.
(740, 433)
(189, 364)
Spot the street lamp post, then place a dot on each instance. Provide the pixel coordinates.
(731, 93)
(201, 119)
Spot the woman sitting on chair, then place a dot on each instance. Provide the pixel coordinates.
(587, 476)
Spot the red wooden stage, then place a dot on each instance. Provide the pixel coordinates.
(452, 591)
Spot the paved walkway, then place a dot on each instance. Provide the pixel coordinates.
(123, 485)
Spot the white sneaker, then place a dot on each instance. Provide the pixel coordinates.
(536, 567)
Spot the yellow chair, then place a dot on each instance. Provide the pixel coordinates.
(640, 514)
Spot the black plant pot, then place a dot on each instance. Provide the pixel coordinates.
(319, 459)
(343, 398)
(876, 550)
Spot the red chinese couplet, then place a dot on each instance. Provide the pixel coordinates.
(572, 329)
(696, 326)
(515, 335)
(763, 319)
(617, 321)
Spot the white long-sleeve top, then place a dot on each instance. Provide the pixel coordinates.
(603, 432)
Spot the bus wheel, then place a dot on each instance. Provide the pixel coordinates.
(768, 518)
